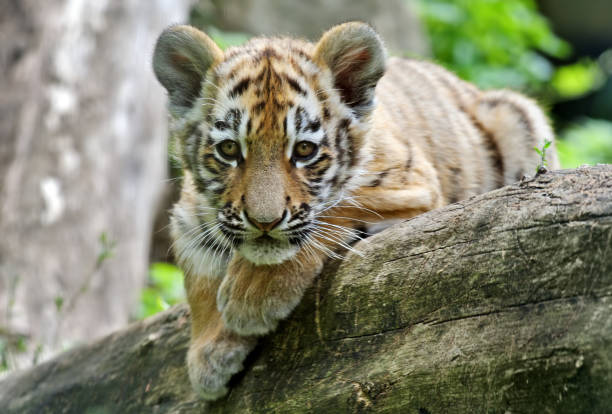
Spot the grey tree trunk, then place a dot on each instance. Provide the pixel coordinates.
(82, 154)
(500, 303)
(395, 20)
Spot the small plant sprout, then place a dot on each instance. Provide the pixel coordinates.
(541, 168)
(106, 249)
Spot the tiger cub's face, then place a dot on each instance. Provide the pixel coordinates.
(270, 134)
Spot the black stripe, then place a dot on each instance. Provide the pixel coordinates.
(295, 226)
(325, 141)
(233, 118)
(314, 125)
(299, 117)
(232, 226)
(296, 66)
(236, 239)
(221, 125)
(490, 143)
(202, 184)
(209, 243)
(258, 107)
(523, 118)
(351, 150)
(219, 191)
(267, 53)
(492, 148)
(261, 74)
(409, 160)
(344, 124)
(326, 113)
(240, 87)
(216, 163)
(338, 144)
(316, 163)
(454, 196)
(379, 179)
(294, 84)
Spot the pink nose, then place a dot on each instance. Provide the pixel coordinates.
(265, 226)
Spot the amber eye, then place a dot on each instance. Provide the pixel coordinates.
(229, 149)
(304, 150)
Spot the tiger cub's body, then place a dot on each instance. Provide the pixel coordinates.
(288, 148)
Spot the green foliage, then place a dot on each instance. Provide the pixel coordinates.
(587, 142)
(59, 303)
(165, 289)
(493, 43)
(226, 39)
(506, 44)
(11, 344)
(106, 249)
(4, 355)
(578, 79)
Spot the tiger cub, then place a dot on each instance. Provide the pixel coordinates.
(288, 148)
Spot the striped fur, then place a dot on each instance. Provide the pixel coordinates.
(253, 229)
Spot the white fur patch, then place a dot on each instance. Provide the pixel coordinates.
(190, 244)
(268, 252)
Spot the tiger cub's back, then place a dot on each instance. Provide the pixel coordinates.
(474, 140)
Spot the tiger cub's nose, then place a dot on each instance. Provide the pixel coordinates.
(265, 226)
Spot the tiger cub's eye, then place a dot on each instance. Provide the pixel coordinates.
(229, 149)
(304, 150)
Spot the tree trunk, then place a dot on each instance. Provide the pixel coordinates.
(82, 154)
(500, 303)
(397, 21)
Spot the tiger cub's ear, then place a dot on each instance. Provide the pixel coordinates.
(356, 57)
(182, 56)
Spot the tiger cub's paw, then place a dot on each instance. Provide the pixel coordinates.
(211, 365)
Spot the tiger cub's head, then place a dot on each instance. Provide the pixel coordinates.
(269, 134)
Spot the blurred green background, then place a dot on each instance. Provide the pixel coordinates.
(494, 44)
(511, 44)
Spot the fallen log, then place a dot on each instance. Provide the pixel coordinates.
(499, 303)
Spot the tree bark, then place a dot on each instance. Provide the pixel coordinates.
(500, 303)
(397, 21)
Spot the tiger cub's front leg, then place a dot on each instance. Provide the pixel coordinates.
(215, 353)
(227, 313)
(252, 299)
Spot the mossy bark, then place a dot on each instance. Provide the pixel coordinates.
(498, 304)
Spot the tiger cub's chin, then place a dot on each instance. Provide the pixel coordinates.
(267, 251)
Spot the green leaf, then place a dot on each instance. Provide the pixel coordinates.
(59, 302)
(106, 248)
